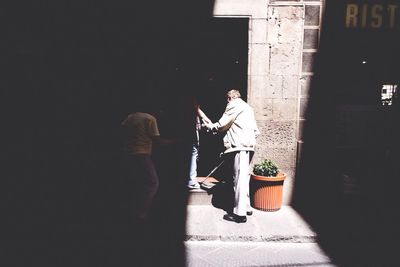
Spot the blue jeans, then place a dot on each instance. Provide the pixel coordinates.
(193, 165)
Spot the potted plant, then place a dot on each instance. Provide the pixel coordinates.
(266, 186)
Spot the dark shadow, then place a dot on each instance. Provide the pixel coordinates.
(222, 191)
(71, 72)
(348, 172)
(222, 196)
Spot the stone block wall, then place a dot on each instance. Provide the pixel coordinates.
(283, 39)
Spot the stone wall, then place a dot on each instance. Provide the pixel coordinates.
(283, 39)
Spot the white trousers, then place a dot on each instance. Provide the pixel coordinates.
(241, 182)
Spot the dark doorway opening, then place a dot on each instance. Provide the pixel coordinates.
(214, 59)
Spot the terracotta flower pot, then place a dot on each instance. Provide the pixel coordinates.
(266, 192)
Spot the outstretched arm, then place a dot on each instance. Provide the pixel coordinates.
(225, 121)
(203, 116)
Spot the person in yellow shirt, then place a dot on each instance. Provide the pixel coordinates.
(140, 131)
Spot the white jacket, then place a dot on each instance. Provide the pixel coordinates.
(240, 126)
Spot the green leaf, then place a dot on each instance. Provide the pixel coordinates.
(265, 168)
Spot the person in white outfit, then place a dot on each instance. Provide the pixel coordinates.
(240, 128)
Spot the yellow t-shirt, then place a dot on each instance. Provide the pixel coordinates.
(139, 128)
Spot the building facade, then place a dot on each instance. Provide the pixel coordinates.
(355, 69)
(283, 39)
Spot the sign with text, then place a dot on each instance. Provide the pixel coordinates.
(372, 16)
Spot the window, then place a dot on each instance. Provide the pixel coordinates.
(388, 93)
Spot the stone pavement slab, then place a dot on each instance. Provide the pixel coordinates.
(286, 225)
(246, 254)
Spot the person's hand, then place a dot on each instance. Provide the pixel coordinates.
(207, 125)
(210, 127)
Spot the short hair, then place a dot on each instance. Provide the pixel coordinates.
(233, 94)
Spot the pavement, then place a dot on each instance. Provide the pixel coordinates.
(280, 238)
(205, 222)
(246, 254)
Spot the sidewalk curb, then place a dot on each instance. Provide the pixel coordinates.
(272, 238)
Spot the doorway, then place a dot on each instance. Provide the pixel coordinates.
(215, 57)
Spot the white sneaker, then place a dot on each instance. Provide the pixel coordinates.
(194, 186)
